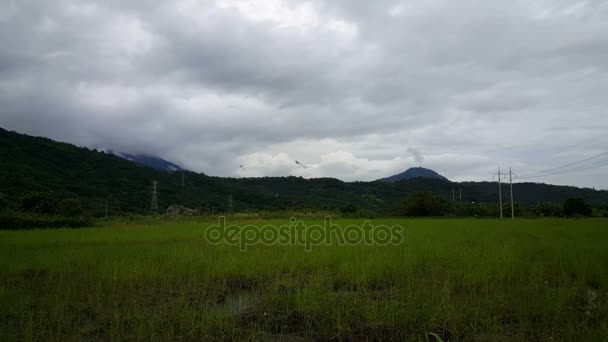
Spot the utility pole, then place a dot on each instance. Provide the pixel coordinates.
(230, 205)
(154, 203)
(499, 194)
(511, 187)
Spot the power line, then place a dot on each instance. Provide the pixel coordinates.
(563, 166)
(584, 167)
(566, 171)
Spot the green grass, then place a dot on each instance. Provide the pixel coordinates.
(158, 279)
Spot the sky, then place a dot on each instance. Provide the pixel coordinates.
(352, 89)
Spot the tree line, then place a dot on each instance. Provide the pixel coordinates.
(431, 204)
(93, 178)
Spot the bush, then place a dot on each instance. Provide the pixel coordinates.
(4, 203)
(39, 202)
(15, 220)
(349, 209)
(49, 203)
(70, 207)
(547, 209)
(576, 207)
(360, 213)
(424, 204)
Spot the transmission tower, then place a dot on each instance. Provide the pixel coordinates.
(154, 203)
(460, 195)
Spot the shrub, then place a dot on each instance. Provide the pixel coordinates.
(70, 207)
(576, 207)
(424, 204)
(17, 220)
(4, 203)
(39, 202)
(349, 209)
(547, 209)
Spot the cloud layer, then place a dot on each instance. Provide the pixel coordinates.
(354, 89)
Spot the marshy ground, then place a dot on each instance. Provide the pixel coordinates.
(159, 279)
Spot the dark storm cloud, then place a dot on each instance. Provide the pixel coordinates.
(348, 86)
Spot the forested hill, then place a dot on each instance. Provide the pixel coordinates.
(40, 164)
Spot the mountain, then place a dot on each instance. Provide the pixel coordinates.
(39, 164)
(150, 161)
(414, 172)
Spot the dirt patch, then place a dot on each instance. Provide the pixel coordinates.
(370, 332)
(284, 321)
(286, 338)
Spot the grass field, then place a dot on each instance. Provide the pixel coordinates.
(461, 279)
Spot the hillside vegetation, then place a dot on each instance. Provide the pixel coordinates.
(42, 165)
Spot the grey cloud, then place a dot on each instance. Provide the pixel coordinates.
(351, 86)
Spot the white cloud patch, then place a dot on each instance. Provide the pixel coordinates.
(327, 165)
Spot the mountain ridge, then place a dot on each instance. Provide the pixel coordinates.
(96, 178)
(154, 162)
(414, 172)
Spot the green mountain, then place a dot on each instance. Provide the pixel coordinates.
(39, 164)
(414, 172)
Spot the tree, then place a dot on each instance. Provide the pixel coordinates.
(4, 203)
(424, 204)
(576, 206)
(349, 209)
(39, 202)
(70, 207)
(547, 209)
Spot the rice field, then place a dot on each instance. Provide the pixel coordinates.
(160, 279)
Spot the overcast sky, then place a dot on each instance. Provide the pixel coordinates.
(353, 89)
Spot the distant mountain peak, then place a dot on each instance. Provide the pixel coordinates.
(150, 161)
(414, 172)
